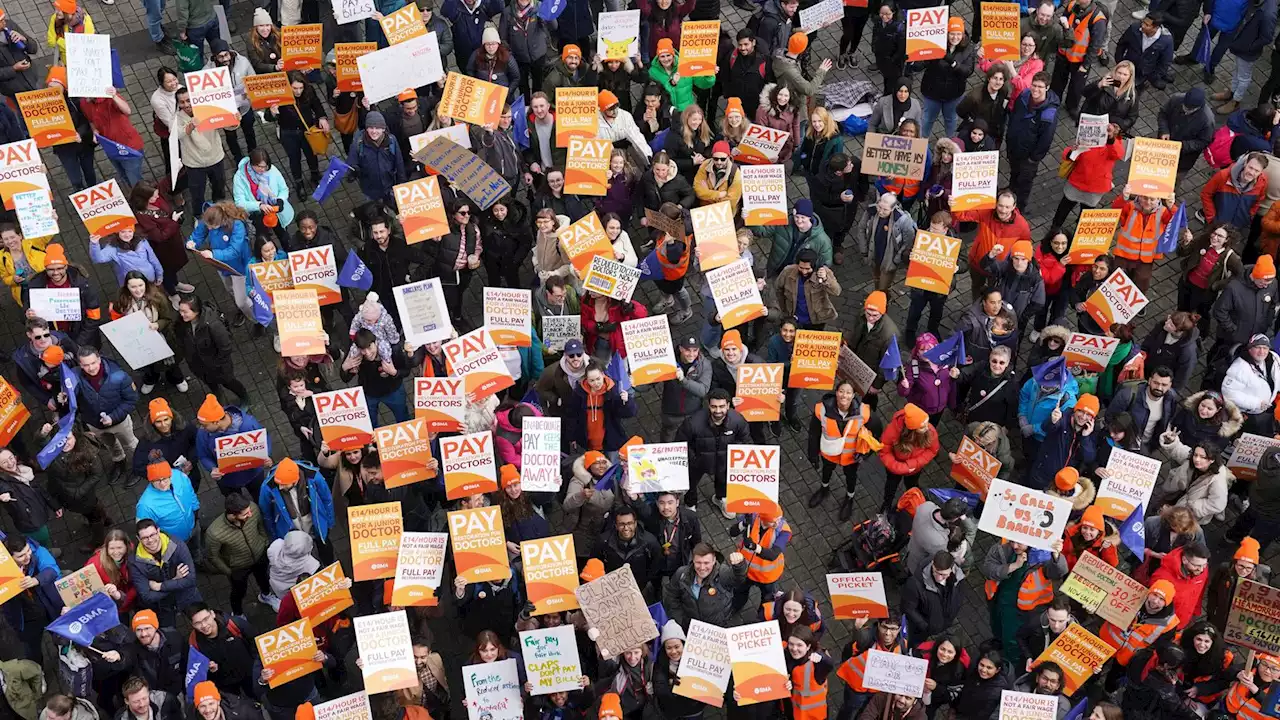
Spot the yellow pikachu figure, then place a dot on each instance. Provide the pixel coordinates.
(617, 49)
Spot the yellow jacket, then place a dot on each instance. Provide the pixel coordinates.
(709, 194)
(33, 249)
(61, 42)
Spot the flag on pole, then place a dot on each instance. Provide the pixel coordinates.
(197, 671)
(87, 620)
(1051, 374)
(263, 313)
(331, 179)
(949, 353)
(355, 274)
(1168, 240)
(892, 360)
(1134, 533)
(520, 123)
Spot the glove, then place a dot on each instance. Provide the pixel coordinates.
(735, 531)
(1027, 430)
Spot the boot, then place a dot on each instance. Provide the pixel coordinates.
(1187, 59)
(1228, 107)
(846, 507)
(1222, 96)
(819, 495)
(118, 470)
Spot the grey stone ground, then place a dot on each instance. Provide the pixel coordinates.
(816, 531)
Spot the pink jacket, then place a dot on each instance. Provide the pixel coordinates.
(1021, 79)
(788, 121)
(506, 437)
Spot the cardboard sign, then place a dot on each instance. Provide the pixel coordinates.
(1117, 300)
(22, 170)
(242, 451)
(213, 99)
(764, 194)
(403, 24)
(560, 329)
(11, 577)
(611, 278)
(424, 316)
(736, 293)
(618, 35)
(1023, 515)
(613, 605)
(759, 669)
(441, 402)
(475, 358)
(551, 659)
(298, 322)
(405, 451)
(760, 145)
(655, 467)
(1001, 33)
(933, 262)
(855, 596)
(47, 117)
(301, 46)
(507, 314)
(1079, 653)
(13, 414)
(344, 418)
(347, 56)
(102, 208)
(1104, 590)
(1092, 131)
(540, 454)
(468, 464)
(1093, 236)
(577, 114)
(323, 595)
(926, 34)
(78, 585)
(1089, 353)
(493, 691)
(649, 353)
(88, 65)
(421, 209)
(894, 673)
(348, 707)
(471, 100)
(419, 567)
(413, 63)
(1255, 611)
(814, 357)
(55, 304)
(347, 11)
(550, 574)
(976, 467)
(894, 155)
(274, 276)
(1132, 479)
(717, 241)
(975, 176)
(586, 168)
(815, 17)
(1027, 706)
(465, 171)
(662, 223)
(386, 650)
(479, 544)
(375, 539)
(705, 666)
(315, 268)
(457, 133)
(1153, 170)
(1246, 453)
(287, 651)
(35, 213)
(759, 385)
(699, 47)
(752, 478)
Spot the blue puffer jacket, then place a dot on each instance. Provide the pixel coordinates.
(45, 569)
(241, 421)
(174, 510)
(116, 398)
(231, 247)
(1030, 130)
(379, 167)
(1225, 14)
(175, 592)
(276, 517)
(1034, 408)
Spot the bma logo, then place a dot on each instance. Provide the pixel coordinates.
(76, 626)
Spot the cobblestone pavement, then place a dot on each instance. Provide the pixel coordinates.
(817, 531)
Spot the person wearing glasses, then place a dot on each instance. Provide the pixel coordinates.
(29, 359)
(718, 179)
(163, 573)
(456, 258)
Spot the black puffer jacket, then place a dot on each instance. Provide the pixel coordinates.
(1103, 101)
(508, 242)
(207, 345)
(945, 79)
(676, 190)
(707, 607)
(709, 445)
(1180, 356)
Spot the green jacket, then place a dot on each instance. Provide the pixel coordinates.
(681, 93)
(194, 13)
(786, 242)
(236, 548)
(23, 687)
(787, 71)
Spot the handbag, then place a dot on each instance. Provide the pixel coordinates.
(347, 122)
(1065, 167)
(318, 139)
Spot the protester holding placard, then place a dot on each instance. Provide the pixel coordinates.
(663, 71)
(838, 433)
(595, 411)
(1015, 588)
(883, 635)
(1154, 620)
(1092, 174)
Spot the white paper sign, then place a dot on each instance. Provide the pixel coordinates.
(821, 15)
(619, 35)
(390, 71)
(1023, 515)
(1027, 706)
(348, 707)
(35, 213)
(420, 561)
(551, 660)
(894, 673)
(493, 691)
(1092, 131)
(456, 132)
(386, 650)
(136, 342)
(1130, 483)
(57, 304)
(540, 454)
(659, 466)
(423, 313)
(705, 662)
(346, 11)
(560, 329)
(88, 65)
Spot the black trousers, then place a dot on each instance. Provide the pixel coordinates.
(240, 583)
(1067, 76)
(850, 475)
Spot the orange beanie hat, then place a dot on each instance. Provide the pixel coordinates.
(1165, 589)
(877, 301)
(798, 43)
(509, 475)
(288, 473)
(916, 419)
(210, 410)
(53, 355)
(625, 450)
(606, 100)
(206, 690)
(1264, 268)
(159, 409)
(305, 711)
(55, 255)
(734, 105)
(1022, 248)
(1088, 403)
(731, 337)
(57, 74)
(1066, 479)
(158, 471)
(956, 24)
(1249, 550)
(65, 6)
(611, 706)
(592, 457)
(665, 46)
(568, 50)
(145, 617)
(1093, 518)
(593, 570)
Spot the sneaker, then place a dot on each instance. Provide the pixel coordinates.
(1200, 216)
(174, 300)
(682, 317)
(186, 288)
(239, 321)
(270, 600)
(842, 62)
(146, 389)
(724, 510)
(1185, 60)
(663, 305)
(853, 60)
(183, 386)
(164, 46)
(1138, 14)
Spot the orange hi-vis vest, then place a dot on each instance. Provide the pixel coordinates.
(762, 534)
(852, 670)
(808, 698)
(1141, 634)
(848, 447)
(670, 270)
(1138, 235)
(1081, 30)
(1035, 590)
(1245, 705)
(1228, 658)
(905, 188)
(767, 611)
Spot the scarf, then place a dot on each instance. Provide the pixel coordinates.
(258, 185)
(574, 377)
(143, 306)
(23, 474)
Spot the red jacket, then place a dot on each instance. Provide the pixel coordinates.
(1221, 196)
(1074, 545)
(1052, 271)
(1188, 591)
(109, 122)
(992, 232)
(1094, 168)
(124, 604)
(913, 462)
(591, 330)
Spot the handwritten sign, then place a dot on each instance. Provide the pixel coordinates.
(56, 304)
(78, 585)
(35, 213)
(88, 65)
(613, 605)
(137, 343)
(894, 155)
(1104, 590)
(855, 596)
(390, 71)
(1255, 612)
(540, 454)
(551, 659)
(423, 312)
(764, 194)
(704, 666)
(618, 35)
(894, 673)
(493, 691)
(759, 669)
(348, 11)
(1024, 516)
(610, 278)
(752, 476)
(820, 15)
(465, 171)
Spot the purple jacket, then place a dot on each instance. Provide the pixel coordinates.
(618, 198)
(931, 391)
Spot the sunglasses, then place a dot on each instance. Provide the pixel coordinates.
(574, 355)
(40, 337)
(720, 159)
(462, 212)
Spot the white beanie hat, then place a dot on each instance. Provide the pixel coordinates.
(490, 35)
(262, 17)
(672, 631)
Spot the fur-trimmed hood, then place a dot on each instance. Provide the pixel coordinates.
(1231, 423)
(1082, 496)
(1055, 331)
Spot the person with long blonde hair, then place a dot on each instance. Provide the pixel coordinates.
(734, 124)
(689, 144)
(1115, 95)
(821, 140)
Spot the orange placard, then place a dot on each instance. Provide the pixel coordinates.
(586, 168)
(344, 418)
(475, 357)
(550, 574)
(933, 262)
(273, 275)
(974, 468)
(298, 322)
(47, 116)
(1079, 653)
(759, 385)
(699, 42)
(323, 595)
(468, 465)
(269, 90)
(301, 46)
(1154, 168)
(855, 596)
(102, 208)
(479, 544)
(441, 402)
(213, 99)
(577, 114)
(927, 33)
(242, 451)
(418, 569)
(345, 55)
(752, 478)
(1093, 236)
(405, 451)
(13, 414)
(421, 208)
(1001, 33)
(472, 101)
(288, 652)
(814, 358)
(375, 539)
(584, 240)
(316, 269)
(403, 24)
(1117, 300)
(717, 240)
(10, 576)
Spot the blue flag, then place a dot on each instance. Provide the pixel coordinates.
(659, 615)
(1168, 240)
(53, 448)
(617, 369)
(355, 274)
(1051, 374)
(115, 149)
(948, 353)
(263, 313)
(1271, 705)
(1036, 556)
(1134, 533)
(331, 179)
(943, 495)
(650, 268)
(902, 634)
(87, 620)
(520, 123)
(70, 383)
(1077, 712)
(892, 360)
(197, 671)
(610, 477)
(549, 10)
(117, 77)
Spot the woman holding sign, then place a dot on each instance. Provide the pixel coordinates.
(808, 668)
(297, 122)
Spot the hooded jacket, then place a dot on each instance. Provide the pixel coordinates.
(786, 242)
(1220, 428)
(685, 396)
(174, 510)
(239, 69)
(744, 76)
(977, 384)
(275, 514)
(290, 557)
(1023, 290)
(707, 186)
(276, 186)
(676, 189)
(916, 459)
(1179, 356)
(1225, 198)
(1031, 129)
(175, 592)
(1244, 310)
(1034, 636)
(881, 119)
(775, 29)
(559, 75)
(586, 516)
(378, 166)
(585, 407)
(241, 421)
(1205, 495)
(1062, 445)
(1104, 546)
(116, 397)
(902, 234)
(931, 608)
(869, 343)
(1247, 138)
(1188, 590)
(524, 33)
(1194, 130)
(1151, 62)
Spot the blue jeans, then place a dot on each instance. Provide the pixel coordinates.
(129, 169)
(155, 14)
(949, 119)
(77, 161)
(395, 401)
(199, 35)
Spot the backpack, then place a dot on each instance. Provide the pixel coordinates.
(877, 537)
(1218, 154)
